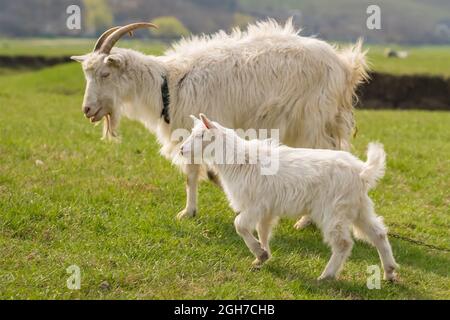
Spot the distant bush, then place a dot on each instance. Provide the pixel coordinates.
(98, 15)
(169, 28)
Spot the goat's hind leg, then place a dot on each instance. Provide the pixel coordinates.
(340, 240)
(370, 227)
(245, 227)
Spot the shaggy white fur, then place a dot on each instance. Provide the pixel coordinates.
(331, 186)
(266, 77)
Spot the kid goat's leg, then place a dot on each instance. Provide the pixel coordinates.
(264, 229)
(192, 172)
(370, 227)
(245, 227)
(340, 240)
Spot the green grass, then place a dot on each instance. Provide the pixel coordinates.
(110, 209)
(430, 60)
(66, 46)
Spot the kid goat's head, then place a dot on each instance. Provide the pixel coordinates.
(206, 139)
(104, 72)
(212, 144)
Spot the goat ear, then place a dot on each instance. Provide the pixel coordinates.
(208, 123)
(196, 121)
(114, 59)
(78, 58)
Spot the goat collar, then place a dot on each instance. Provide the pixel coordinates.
(165, 99)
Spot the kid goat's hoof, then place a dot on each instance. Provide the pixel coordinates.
(390, 274)
(258, 262)
(392, 277)
(186, 214)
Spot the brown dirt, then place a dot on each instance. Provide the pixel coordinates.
(386, 91)
(31, 62)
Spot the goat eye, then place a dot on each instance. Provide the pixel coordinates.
(105, 75)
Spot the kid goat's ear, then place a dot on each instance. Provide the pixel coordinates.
(208, 123)
(196, 121)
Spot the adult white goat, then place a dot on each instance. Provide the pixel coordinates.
(331, 186)
(266, 77)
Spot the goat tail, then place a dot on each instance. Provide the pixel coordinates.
(374, 167)
(355, 58)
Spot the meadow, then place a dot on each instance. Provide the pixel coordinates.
(68, 198)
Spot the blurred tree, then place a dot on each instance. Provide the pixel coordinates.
(36, 18)
(98, 16)
(199, 16)
(230, 5)
(169, 28)
(403, 21)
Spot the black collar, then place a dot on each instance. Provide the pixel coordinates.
(165, 99)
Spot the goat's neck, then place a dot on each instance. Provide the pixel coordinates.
(144, 99)
(237, 162)
(255, 159)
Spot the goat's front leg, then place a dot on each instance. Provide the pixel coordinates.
(264, 229)
(192, 173)
(244, 228)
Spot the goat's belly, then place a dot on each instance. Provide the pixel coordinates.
(295, 212)
(266, 208)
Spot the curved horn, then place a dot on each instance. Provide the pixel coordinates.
(102, 38)
(111, 40)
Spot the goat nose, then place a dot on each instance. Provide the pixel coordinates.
(86, 110)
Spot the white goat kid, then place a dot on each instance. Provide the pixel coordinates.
(267, 77)
(331, 186)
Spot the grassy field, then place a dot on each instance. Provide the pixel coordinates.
(67, 46)
(433, 60)
(67, 198)
(430, 60)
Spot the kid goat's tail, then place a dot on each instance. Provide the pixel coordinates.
(373, 169)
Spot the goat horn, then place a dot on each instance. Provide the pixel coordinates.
(112, 38)
(102, 38)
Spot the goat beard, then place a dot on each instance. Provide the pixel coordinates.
(110, 124)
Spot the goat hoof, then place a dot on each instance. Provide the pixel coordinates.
(258, 262)
(324, 277)
(391, 277)
(186, 214)
(264, 257)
